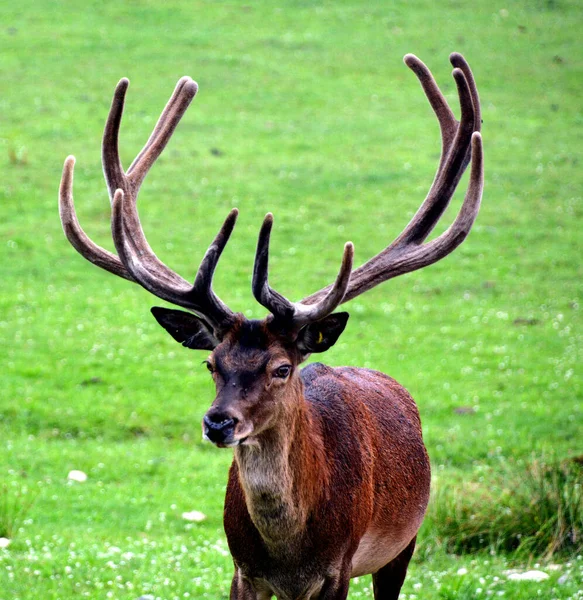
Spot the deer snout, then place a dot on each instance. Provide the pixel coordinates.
(219, 427)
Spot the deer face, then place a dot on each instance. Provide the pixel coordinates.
(254, 368)
(253, 372)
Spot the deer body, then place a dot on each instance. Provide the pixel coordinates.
(330, 477)
(354, 450)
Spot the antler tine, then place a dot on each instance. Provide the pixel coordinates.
(170, 289)
(202, 289)
(200, 297)
(459, 140)
(115, 177)
(448, 175)
(450, 239)
(180, 100)
(295, 313)
(79, 239)
(459, 62)
(176, 95)
(447, 121)
(309, 314)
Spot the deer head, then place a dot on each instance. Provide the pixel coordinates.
(254, 363)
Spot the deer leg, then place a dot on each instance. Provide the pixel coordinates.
(387, 582)
(241, 589)
(336, 588)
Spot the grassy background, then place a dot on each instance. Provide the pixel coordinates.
(305, 109)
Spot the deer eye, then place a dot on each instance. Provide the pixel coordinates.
(209, 365)
(282, 372)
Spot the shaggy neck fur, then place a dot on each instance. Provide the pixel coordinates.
(284, 476)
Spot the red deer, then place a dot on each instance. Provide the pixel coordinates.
(330, 476)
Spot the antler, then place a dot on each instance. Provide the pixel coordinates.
(297, 313)
(460, 142)
(136, 261)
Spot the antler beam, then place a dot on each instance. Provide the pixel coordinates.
(460, 142)
(136, 261)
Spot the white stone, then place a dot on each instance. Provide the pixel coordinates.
(194, 515)
(77, 476)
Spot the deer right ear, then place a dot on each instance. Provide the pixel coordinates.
(323, 334)
(188, 329)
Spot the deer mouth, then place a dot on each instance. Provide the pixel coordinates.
(224, 434)
(229, 443)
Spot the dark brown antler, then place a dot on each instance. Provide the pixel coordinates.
(281, 307)
(136, 261)
(460, 142)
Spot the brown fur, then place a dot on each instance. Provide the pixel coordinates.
(332, 478)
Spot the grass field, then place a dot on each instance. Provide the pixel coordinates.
(305, 109)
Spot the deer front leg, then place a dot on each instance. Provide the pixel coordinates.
(241, 589)
(336, 588)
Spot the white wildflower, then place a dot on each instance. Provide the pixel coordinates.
(194, 515)
(4, 542)
(462, 571)
(77, 476)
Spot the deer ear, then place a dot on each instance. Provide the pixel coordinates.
(323, 334)
(188, 329)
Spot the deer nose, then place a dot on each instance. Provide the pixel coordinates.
(219, 427)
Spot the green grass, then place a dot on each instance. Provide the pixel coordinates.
(536, 511)
(316, 119)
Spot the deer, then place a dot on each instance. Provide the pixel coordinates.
(330, 477)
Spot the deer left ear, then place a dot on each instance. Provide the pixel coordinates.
(323, 334)
(186, 328)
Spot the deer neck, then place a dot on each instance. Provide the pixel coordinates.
(283, 476)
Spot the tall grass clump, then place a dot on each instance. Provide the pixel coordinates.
(537, 511)
(14, 506)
